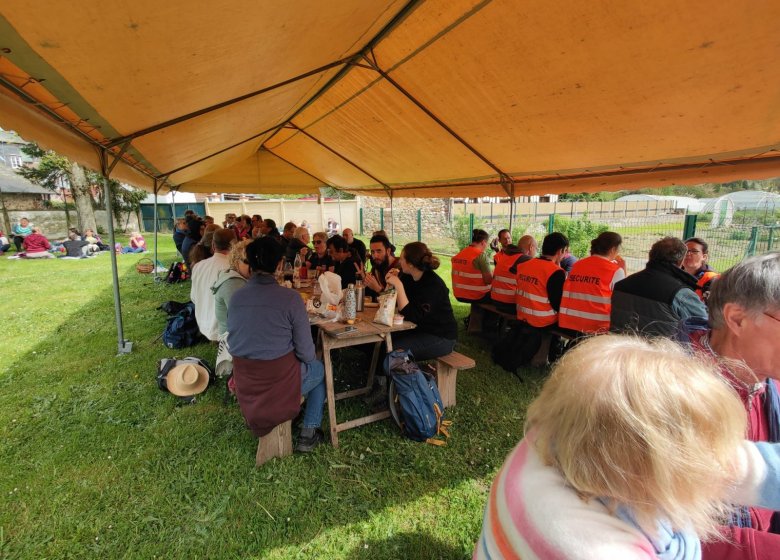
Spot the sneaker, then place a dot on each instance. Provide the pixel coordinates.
(307, 444)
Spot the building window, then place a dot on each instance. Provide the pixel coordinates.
(15, 161)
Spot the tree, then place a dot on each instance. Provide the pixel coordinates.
(52, 172)
(124, 199)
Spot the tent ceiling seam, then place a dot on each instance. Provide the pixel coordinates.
(223, 104)
(387, 188)
(375, 66)
(302, 170)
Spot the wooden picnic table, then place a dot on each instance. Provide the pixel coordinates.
(366, 332)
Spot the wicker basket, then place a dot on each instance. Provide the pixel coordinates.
(144, 266)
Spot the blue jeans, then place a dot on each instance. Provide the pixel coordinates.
(313, 389)
(133, 250)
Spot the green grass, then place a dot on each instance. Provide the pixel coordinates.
(96, 462)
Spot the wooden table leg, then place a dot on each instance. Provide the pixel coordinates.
(330, 396)
(372, 368)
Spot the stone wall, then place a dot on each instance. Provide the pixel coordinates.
(402, 219)
(23, 201)
(54, 226)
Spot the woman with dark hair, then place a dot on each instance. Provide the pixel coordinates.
(273, 351)
(587, 291)
(423, 298)
(695, 264)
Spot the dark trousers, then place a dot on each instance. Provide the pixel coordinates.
(18, 239)
(424, 346)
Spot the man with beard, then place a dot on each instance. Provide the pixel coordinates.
(381, 262)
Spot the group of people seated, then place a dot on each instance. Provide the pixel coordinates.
(31, 243)
(634, 449)
(556, 292)
(275, 366)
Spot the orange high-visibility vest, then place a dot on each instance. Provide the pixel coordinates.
(587, 295)
(533, 305)
(467, 282)
(504, 286)
(707, 277)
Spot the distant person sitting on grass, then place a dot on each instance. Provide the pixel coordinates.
(20, 231)
(94, 240)
(137, 244)
(36, 246)
(75, 247)
(4, 244)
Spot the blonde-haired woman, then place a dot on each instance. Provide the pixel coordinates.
(227, 283)
(633, 450)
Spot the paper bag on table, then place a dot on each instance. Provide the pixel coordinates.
(384, 315)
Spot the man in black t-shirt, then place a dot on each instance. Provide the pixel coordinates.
(343, 261)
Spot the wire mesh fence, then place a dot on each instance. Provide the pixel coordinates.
(641, 224)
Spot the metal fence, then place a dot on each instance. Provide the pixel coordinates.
(640, 226)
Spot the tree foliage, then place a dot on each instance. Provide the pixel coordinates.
(52, 170)
(580, 232)
(124, 199)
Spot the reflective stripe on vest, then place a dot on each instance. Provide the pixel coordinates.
(583, 315)
(504, 283)
(533, 305)
(467, 281)
(587, 295)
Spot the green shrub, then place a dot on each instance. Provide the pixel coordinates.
(580, 232)
(461, 231)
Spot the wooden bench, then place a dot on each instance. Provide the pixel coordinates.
(276, 444)
(480, 310)
(447, 368)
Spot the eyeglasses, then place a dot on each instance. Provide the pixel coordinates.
(693, 252)
(318, 241)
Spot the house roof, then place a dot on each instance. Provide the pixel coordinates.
(11, 183)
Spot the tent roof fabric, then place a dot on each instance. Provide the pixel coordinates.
(415, 98)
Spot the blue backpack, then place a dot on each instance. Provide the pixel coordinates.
(182, 329)
(415, 403)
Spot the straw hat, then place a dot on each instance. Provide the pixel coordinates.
(186, 380)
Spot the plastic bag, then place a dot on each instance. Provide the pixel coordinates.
(384, 315)
(330, 284)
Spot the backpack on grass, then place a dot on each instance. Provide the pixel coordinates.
(415, 402)
(516, 348)
(172, 307)
(182, 329)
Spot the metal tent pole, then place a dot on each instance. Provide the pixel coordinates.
(156, 190)
(123, 346)
(392, 219)
(341, 219)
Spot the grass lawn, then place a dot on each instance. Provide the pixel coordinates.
(96, 462)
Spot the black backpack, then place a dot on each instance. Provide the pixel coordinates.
(172, 307)
(182, 329)
(516, 348)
